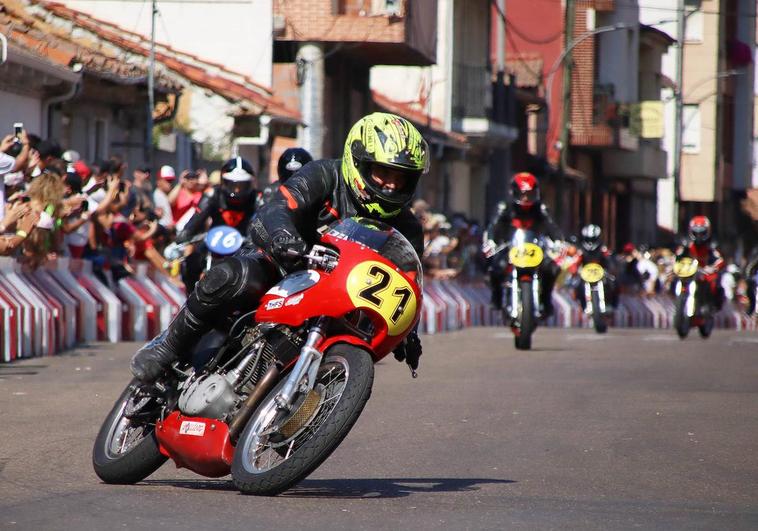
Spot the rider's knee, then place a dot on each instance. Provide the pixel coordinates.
(220, 283)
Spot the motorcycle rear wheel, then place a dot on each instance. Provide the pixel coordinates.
(601, 326)
(523, 340)
(125, 452)
(681, 320)
(267, 463)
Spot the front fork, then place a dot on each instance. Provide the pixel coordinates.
(516, 294)
(599, 286)
(302, 377)
(690, 291)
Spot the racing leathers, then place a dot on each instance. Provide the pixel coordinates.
(501, 230)
(216, 208)
(602, 256)
(711, 263)
(292, 220)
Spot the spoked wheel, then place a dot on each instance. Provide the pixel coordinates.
(126, 450)
(523, 336)
(277, 450)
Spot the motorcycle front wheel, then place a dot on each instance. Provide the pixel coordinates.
(598, 320)
(681, 319)
(277, 451)
(125, 451)
(706, 328)
(527, 320)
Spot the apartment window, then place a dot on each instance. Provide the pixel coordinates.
(691, 128)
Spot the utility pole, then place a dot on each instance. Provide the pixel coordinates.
(151, 95)
(499, 166)
(681, 26)
(566, 121)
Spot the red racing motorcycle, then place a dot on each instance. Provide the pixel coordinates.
(282, 389)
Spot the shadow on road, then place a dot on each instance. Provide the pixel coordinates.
(349, 488)
(385, 488)
(200, 484)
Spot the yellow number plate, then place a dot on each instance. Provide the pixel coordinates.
(685, 267)
(526, 255)
(373, 285)
(592, 273)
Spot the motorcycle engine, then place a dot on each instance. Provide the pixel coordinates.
(210, 396)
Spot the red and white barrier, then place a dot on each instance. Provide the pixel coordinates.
(443, 310)
(54, 308)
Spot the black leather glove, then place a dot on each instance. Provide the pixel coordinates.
(288, 249)
(409, 350)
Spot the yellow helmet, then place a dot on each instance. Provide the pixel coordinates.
(387, 140)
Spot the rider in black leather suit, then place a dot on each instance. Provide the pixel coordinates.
(231, 203)
(377, 176)
(524, 210)
(289, 163)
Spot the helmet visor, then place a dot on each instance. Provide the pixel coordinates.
(392, 183)
(527, 197)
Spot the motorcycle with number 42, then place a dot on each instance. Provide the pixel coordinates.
(522, 285)
(287, 382)
(690, 289)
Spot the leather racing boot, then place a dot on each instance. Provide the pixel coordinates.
(174, 343)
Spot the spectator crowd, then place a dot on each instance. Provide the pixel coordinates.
(54, 203)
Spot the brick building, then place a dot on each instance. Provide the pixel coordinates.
(324, 51)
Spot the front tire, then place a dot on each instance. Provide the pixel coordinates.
(125, 452)
(706, 328)
(681, 319)
(527, 321)
(267, 462)
(598, 320)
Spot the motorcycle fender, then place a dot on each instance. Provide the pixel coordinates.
(198, 444)
(352, 340)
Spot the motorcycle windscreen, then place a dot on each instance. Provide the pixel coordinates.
(383, 239)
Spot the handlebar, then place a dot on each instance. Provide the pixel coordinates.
(319, 257)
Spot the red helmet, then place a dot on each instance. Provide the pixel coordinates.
(700, 230)
(525, 190)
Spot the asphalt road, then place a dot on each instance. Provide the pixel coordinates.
(635, 429)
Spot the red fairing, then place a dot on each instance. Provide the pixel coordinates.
(329, 297)
(198, 444)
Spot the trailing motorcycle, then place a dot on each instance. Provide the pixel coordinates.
(219, 242)
(522, 285)
(288, 381)
(691, 290)
(593, 274)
